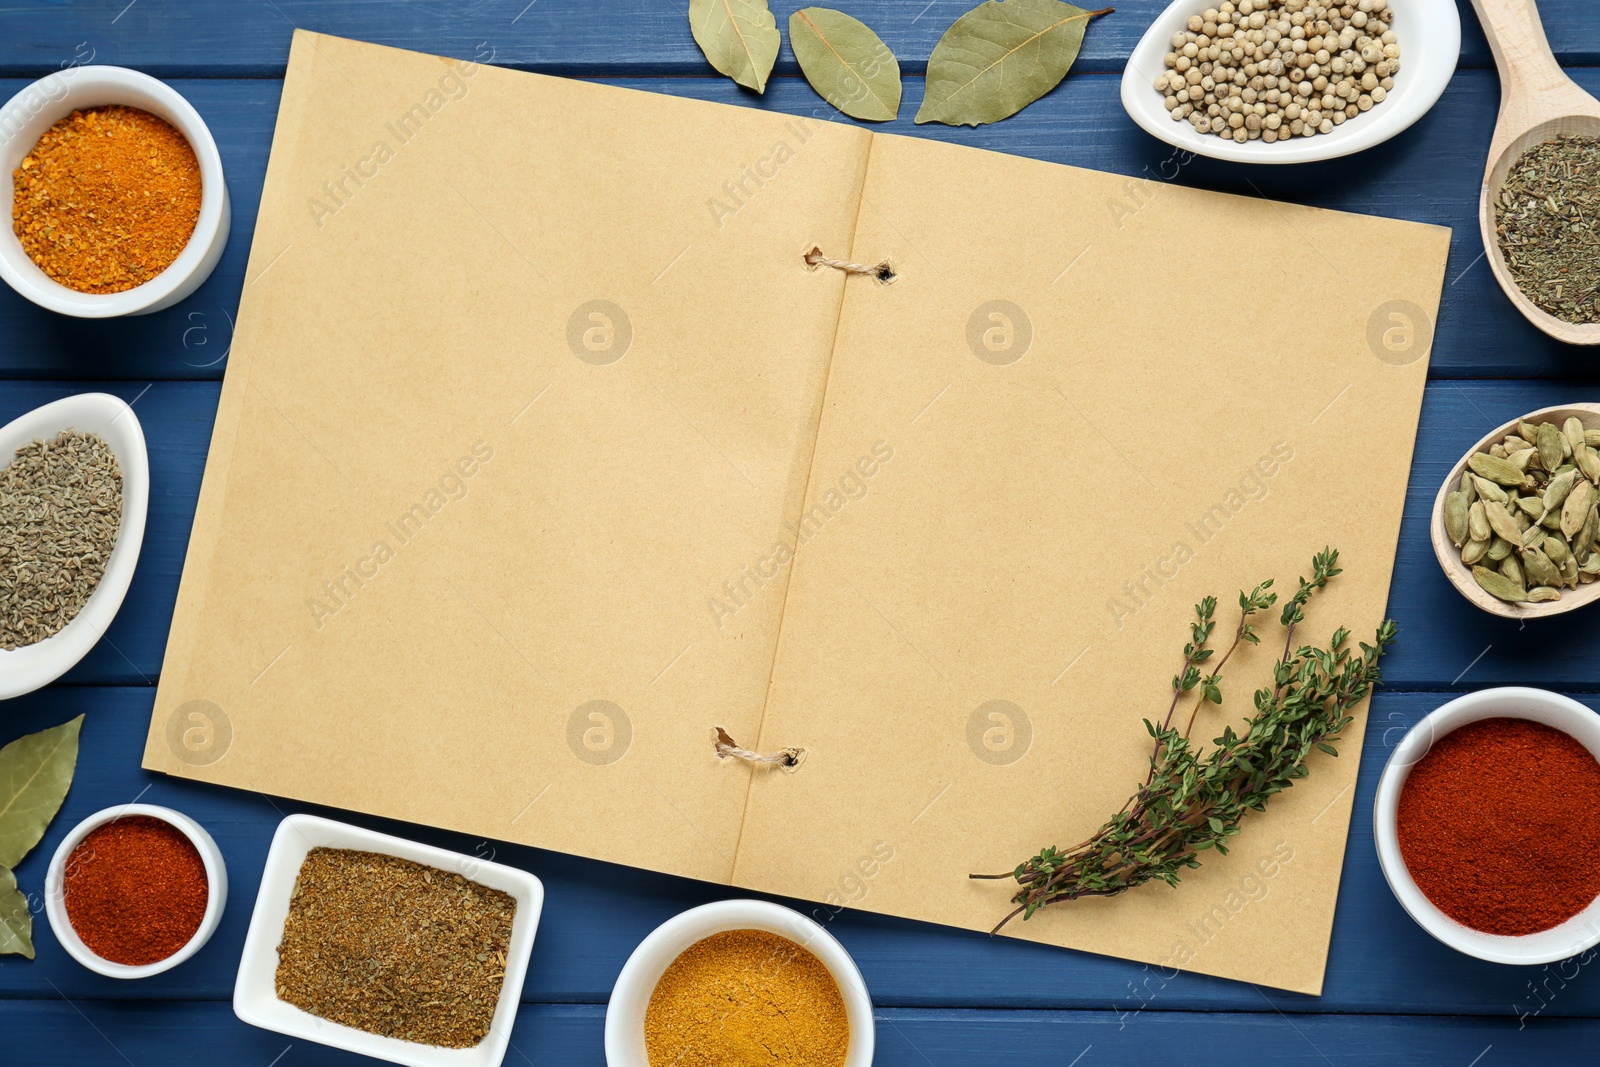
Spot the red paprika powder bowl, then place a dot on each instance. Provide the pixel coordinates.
(1534, 753)
(135, 890)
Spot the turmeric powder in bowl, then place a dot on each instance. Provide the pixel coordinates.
(746, 998)
(106, 199)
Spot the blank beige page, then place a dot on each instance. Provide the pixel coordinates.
(1085, 403)
(526, 369)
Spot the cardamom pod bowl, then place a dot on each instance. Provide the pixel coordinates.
(30, 667)
(55, 889)
(1429, 34)
(38, 106)
(1579, 933)
(1449, 556)
(625, 1044)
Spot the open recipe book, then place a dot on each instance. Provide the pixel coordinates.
(541, 453)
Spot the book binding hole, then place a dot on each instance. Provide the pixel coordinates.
(882, 273)
(727, 748)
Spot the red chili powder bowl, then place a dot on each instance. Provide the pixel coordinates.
(135, 890)
(1499, 826)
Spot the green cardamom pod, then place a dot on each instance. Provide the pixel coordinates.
(1587, 461)
(1534, 537)
(1494, 468)
(1592, 566)
(1575, 512)
(1532, 506)
(1455, 518)
(1539, 594)
(1514, 443)
(1592, 438)
(1574, 431)
(1556, 548)
(1502, 523)
(1538, 568)
(1512, 569)
(1555, 494)
(1478, 522)
(1527, 430)
(1474, 552)
(1499, 549)
(1590, 532)
(1469, 487)
(1499, 586)
(1522, 458)
(1487, 490)
(1552, 445)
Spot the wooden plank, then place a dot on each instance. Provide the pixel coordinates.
(237, 38)
(1428, 175)
(596, 913)
(1444, 641)
(53, 1033)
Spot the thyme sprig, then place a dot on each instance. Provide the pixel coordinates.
(1193, 798)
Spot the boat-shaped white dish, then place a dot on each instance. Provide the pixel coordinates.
(22, 670)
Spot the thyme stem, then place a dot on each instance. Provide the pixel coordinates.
(1193, 799)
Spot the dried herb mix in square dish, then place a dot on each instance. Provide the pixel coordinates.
(394, 947)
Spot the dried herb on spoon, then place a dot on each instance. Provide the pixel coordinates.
(1194, 798)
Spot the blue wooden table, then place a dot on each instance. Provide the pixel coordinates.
(944, 997)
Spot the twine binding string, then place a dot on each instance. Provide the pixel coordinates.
(883, 273)
(728, 748)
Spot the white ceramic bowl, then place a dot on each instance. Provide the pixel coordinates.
(26, 117)
(255, 998)
(1577, 934)
(1459, 573)
(22, 670)
(631, 995)
(1429, 33)
(55, 896)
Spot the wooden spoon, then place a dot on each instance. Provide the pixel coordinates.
(1460, 574)
(1538, 103)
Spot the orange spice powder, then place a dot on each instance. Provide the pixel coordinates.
(746, 998)
(107, 199)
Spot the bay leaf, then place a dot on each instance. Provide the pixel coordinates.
(739, 37)
(35, 772)
(846, 63)
(1000, 57)
(16, 920)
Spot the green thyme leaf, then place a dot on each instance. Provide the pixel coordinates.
(846, 63)
(35, 772)
(1195, 797)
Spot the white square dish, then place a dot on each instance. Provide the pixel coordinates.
(255, 998)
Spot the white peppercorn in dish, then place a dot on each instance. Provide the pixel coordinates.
(1276, 69)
